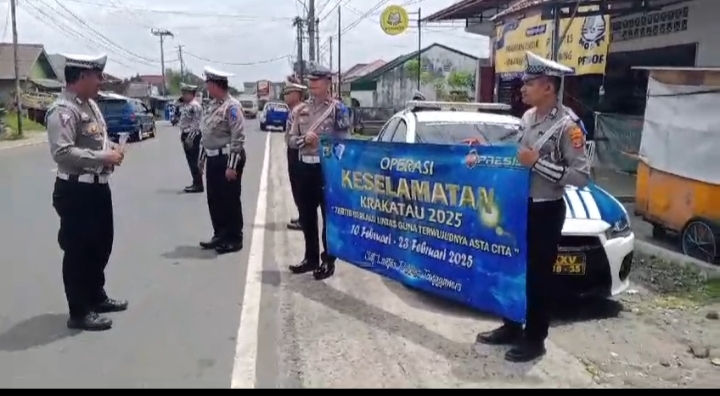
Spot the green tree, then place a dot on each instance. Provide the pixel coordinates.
(461, 81)
(413, 68)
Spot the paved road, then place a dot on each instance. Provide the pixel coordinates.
(185, 305)
(183, 328)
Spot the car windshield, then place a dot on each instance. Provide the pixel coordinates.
(111, 106)
(277, 106)
(455, 132)
(248, 104)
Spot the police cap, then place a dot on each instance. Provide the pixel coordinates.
(537, 66)
(188, 88)
(212, 74)
(289, 88)
(319, 72)
(89, 62)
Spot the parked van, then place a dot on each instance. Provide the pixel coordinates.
(249, 107)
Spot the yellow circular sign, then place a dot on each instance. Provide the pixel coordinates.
(394, 20)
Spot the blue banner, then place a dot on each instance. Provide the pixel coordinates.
(450, 220)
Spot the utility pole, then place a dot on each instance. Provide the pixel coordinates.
(317, 40)
(311, 29)
(339, 62)
(18, 97)
(330, 44)
(419, 58)
(298, 22)
(162, 34)
(182, 63)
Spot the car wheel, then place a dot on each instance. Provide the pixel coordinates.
(138, 137)
(699, 239)
(263, 127)
(153, 132)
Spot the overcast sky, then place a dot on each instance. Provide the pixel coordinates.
(230, 35)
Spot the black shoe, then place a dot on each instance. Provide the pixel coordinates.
(225, 247)
(525, 351)
(294, 224)
(111, 305)
(304, 267)
(503, 335)
(194, 189)
(211, 244)
(324, 271)
(90, 322)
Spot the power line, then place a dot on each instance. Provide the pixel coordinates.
(261, 62)
(110, 42)
(177, 12)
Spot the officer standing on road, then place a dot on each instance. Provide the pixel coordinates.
(293, 96)
(223, 143)
(553, 146)
(320, 115)
(190, 117)
(78, 141)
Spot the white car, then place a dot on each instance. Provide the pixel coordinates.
(597, 244)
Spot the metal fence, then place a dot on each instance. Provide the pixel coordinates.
(617, 141)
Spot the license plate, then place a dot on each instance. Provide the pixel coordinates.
(570, 264)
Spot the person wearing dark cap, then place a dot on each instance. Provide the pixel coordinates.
(223, 152)
(85, 157)
(552, 146)
(318, 116)
(190, 115)
(293, 96)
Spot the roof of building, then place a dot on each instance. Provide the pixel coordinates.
(401, 60)
(28, 55)
(152, 79)
(362, 69)
(466, 9)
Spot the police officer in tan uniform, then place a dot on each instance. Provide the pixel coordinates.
(552, 145)
(190, 117)
(293, 96)
(320, 115)
(85, 157)
(223, 154)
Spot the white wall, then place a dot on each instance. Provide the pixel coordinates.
(396, 87)
(703, 27)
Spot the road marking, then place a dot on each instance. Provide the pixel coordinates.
(244, 365)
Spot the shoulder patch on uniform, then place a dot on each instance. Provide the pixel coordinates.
(65, 117)
(577, 137)
(233, 113)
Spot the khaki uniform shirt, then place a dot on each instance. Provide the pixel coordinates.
(223, 127)
(329, 115)
(562, 156)
(77, 136)
(190, 118)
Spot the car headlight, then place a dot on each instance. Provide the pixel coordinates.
(619, 229)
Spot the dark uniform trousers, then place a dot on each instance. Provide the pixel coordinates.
(544, 230)
(86, 238)
(223, 198)
(310, 177)
(293, 158)
(192, 154)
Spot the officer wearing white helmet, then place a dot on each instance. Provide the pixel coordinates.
(190, 117)
(552, 145)
(223, 152)
(85, 157)
(320, 115)
(293, 95)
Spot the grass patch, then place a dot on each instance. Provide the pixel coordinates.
(29, 127)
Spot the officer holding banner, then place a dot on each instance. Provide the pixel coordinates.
(552, 146)
(320, 115)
